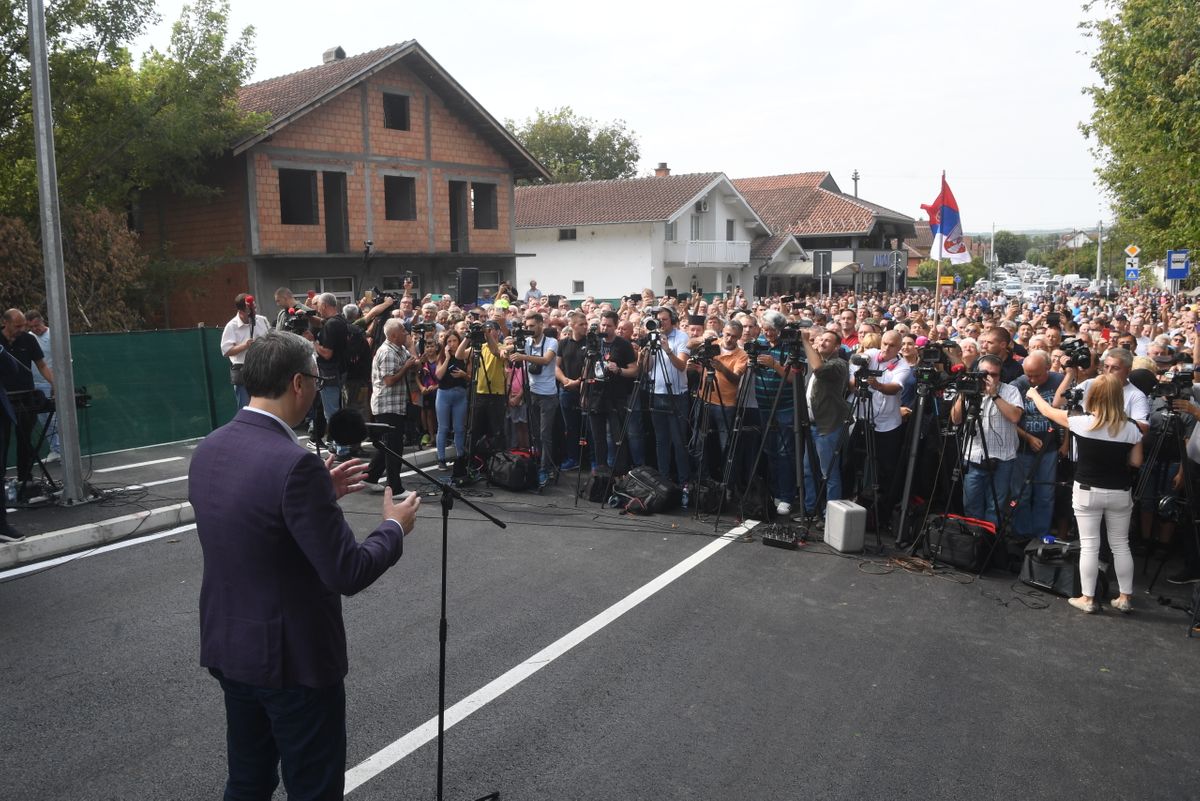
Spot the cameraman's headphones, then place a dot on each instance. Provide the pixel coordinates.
(669, 310)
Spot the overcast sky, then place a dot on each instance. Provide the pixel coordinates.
(988, 92)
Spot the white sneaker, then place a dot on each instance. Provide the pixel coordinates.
(375, 488)
(51, 458)
(783, 508)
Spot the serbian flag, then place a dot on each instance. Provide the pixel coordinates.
(946, 227)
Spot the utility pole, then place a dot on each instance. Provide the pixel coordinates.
(854, 177)
(1099, 247)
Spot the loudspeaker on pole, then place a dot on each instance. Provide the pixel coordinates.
(468, 285)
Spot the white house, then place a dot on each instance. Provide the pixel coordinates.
(613, 238)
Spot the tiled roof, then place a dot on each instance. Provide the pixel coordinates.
(809, 204)
(765, 247)
(289, 97)
(608, 202)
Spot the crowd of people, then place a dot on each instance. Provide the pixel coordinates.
(705, 390)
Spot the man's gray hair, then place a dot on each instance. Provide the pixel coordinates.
(351, 312)
(392, 324)
(271, 361)
(327, 298)
(772, 319)
(1121, 355)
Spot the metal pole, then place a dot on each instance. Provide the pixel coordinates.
(1099, 247)
(52, 258)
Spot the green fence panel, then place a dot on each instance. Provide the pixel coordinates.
(149, 387)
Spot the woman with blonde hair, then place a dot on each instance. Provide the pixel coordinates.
(1108, 444)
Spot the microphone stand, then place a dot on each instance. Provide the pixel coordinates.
(449, 494)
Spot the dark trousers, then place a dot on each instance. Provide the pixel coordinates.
(382, 460)
(603, 424)
(889, 446)
(487, 420)
(24, 437)
(301, 728)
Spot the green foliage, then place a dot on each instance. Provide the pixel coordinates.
(1010, 247)
(1146, 118)
(120, 128)
(575, 148)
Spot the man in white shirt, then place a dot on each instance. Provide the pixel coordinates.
(669, 404)
(1118, 362)
(992, 442)
(887, 430)
(236, 338)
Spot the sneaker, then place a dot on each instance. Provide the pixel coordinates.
(568, 465)
(1088, 607)
(783, 508)
(425, 440)
(543, 478)
(441, 465)
(374, 488)
(1184, 577)
(10, 534)
(316, 444)
(51, 458)
(687, 496)
(1121, 605)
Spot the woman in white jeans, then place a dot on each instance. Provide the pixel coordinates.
(1108, 444)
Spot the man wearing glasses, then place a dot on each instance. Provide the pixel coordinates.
(278, 556)
(1119, 362)
(989, 469)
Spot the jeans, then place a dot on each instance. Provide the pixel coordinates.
(331, 401)
(393, 439)
(670, 414)
(451, 407)
(984, 490)
(541, 428)
(1035, 504)
(568, 403)
(831, 468)
(1114, 507)
(302, 728)
(603, 423)
(781, 456)
(240, 395)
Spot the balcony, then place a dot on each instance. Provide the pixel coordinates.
(707, 253)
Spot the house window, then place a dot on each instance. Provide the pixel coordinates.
(695, 227)
(342, 288)
(395, 112)
(298, 197)
(670, 284)
(566, 234)
(577, 287)
(729, 230)
(399, 197)
(483, 205)
(669, 232)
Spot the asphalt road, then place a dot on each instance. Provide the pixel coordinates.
(757, 674)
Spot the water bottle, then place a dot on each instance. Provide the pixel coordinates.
(10, 491)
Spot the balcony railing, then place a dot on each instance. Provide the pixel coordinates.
(716, 252)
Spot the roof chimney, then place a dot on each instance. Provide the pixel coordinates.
(333, 54)
(662, 171)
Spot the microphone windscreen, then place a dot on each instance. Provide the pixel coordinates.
(347, 427)
(958, 368)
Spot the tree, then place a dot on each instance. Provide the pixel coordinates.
(1146, 118)
(575, 148)
(1010, 247)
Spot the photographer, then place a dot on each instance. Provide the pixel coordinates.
(1118, 362)
(540, 353)
(487, 415)
(1108, 444)
(572, 351)
(993, 444)
(236, 338)
(826, 394)
(612, 379)
(1173, 399)
(667, 366)
(888, 432)
(1037, 460)
(774, 378)
(721, 393)
(330, 343)
(1190, 574)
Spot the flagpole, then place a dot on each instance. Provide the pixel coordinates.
(937, 281)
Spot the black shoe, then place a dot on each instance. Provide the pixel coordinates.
(1184, 577)
(10, 534)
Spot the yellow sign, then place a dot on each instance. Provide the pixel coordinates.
(1132, 251)
(946, 280)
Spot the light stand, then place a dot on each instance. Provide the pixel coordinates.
(352, 430)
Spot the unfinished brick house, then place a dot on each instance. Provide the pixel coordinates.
(383, 147)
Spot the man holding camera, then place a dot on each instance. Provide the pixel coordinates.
(1037, 458)
(773, 390)
(826, 396)
(720, 393)
(330, 343)
(540, 354)
(667, 365)
(889, 375)
(572, 352)
(236, 337)
(993, 440)
(1119, 362)
(614, 372)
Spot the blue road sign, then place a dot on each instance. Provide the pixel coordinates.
(1131, 275)
(957, 279)
(1178, 264)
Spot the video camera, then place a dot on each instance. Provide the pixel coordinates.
(1078, 354)
(298, 319)
(970, 384)
(652, 337)
(864, 372)
(1178, 384)
(519, 334)
(591, 342)
(380, 295)
(706, 352)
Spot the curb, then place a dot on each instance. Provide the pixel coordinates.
(38, 547)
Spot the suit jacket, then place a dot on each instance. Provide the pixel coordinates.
(278, 556)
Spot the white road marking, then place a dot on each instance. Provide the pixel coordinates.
(377, 763)
(116, 546)
(139, 464)
(160, 482)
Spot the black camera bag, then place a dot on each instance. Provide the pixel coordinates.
(961, 542)
(599, 485)
(648, 491)
(1054, 567)
(513, 470)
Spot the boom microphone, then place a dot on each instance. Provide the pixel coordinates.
(347, 427)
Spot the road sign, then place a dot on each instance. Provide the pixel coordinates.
(946, 280)
(957, 279)
(1132, 251)
(1178, 265)
(1131, 273)
(1132, 264)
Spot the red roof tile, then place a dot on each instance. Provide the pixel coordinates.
(285, 94)
(607, 202)
(810, 204)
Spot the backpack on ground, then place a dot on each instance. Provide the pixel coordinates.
(513, 470)
(599, 485)
(644, 491)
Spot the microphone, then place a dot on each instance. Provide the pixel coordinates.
(347, 427)
(957, 368)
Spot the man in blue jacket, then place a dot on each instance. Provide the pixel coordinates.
(278, 556)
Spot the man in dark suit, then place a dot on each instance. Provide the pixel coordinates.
(8, 418)
(278, 556)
